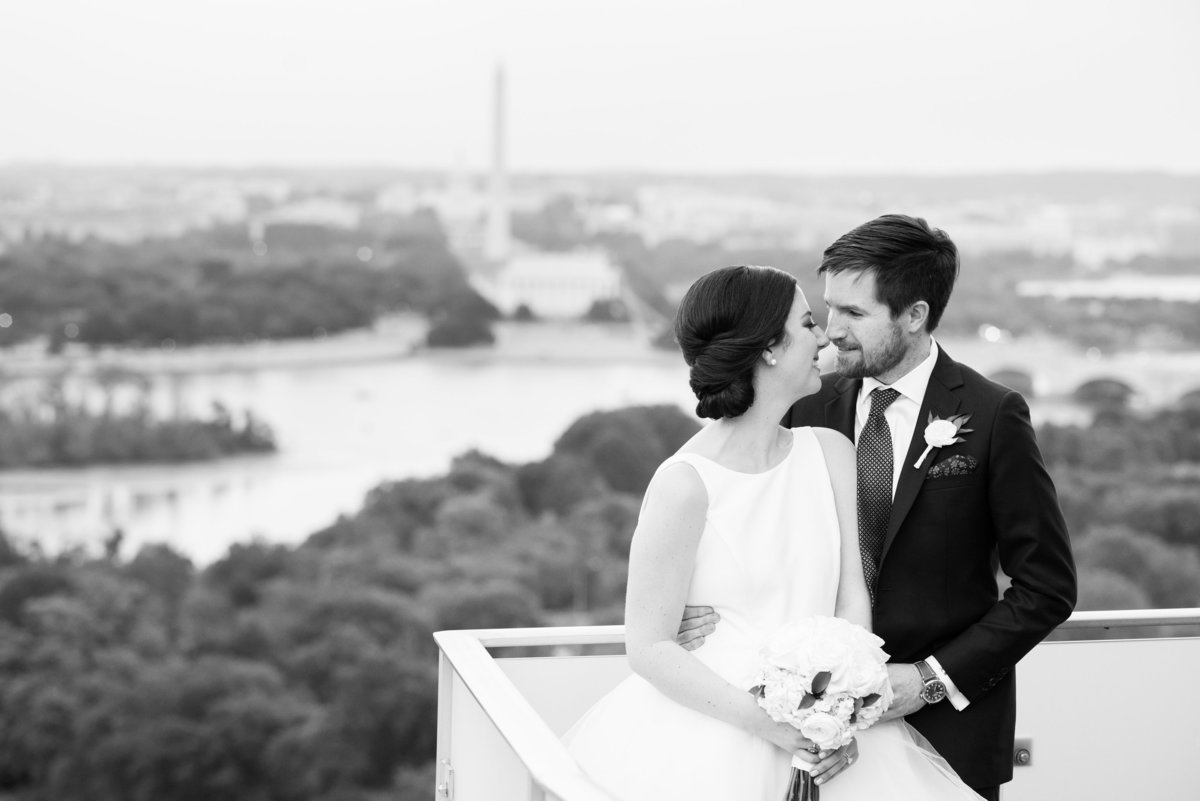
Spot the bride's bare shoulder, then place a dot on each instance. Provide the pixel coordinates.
(675, 505)
(837, 449)
(832, 440)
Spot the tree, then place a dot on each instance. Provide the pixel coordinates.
(1169, 576)
(245, 568)
(10, 555)
(167, 574)
(607, 310)
(470, 522)
(459, 331)
(1101, 589)
(28, 583)
(385, 713)
(487, 605)
(558, 483)
(627, 445)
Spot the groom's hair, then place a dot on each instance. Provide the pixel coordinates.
(724, 323)
(911, 261)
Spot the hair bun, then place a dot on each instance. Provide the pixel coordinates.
(731, 399)
(725, 321)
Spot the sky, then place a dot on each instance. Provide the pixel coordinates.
(857, 86)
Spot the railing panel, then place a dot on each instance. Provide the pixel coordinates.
(578, 682)
(485, 766)
(1109, 719)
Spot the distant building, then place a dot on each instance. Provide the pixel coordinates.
(1181, 288)
(551, 284)
(326, 212)
(669, 211)
(117, 209)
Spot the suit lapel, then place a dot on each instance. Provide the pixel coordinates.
(940, 400)
(839, 412)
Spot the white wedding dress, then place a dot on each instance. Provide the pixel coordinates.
(769, 554)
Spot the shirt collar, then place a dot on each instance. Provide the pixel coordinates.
(912, 385)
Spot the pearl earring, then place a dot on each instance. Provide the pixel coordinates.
(771, 361)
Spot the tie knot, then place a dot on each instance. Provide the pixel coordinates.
(881, 398)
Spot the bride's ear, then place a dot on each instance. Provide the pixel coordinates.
(768, 357)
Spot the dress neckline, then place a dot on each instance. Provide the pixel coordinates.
(791, 449)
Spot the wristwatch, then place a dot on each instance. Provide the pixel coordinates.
(934, 690)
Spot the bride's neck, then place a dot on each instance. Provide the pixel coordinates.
(752, 440)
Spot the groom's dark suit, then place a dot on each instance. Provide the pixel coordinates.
(949, 529)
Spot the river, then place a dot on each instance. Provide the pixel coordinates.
(354, 411)
(343, 426)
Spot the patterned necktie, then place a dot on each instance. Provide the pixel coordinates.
(874, 484)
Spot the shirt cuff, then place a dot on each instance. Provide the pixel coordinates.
(957, 699)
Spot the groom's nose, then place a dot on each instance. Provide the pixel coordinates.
(834, 328)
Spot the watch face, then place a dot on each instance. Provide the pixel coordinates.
(934, 691)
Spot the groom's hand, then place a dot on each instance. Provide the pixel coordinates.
(907, 686)
(698, 622)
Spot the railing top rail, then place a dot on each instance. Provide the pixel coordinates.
(615, 635)
(1132, 617)
(547, 636)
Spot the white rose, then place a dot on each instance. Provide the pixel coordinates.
(823, 729)
(868, 716)
(785, 649)
(830, 653)
(794, 660)
(864, 677)
(940, 433)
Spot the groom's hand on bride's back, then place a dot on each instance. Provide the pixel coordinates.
(698, 622)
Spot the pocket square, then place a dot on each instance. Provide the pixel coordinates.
(956, 465)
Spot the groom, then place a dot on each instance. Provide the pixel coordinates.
(939, 509)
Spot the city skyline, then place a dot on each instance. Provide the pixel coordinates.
(666, 86)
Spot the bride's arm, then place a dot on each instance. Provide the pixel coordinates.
(853, 602)
(661, 559)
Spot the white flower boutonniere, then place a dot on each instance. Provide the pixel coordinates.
(939, 433)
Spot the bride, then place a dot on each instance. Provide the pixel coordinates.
(760, 522)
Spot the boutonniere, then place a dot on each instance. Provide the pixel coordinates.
(939, 433)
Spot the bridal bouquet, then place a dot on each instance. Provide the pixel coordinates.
(828, 678)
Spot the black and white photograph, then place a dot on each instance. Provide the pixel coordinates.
(673, 400)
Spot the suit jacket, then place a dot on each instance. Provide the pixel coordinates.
(970, 507)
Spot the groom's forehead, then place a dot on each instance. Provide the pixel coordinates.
(856, 286)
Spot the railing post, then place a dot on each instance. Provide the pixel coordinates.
(444, 782)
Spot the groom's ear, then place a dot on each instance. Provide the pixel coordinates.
(915, 317)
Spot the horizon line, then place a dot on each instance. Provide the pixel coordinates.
(331, 166)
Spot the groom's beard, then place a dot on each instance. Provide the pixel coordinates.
(865, 363)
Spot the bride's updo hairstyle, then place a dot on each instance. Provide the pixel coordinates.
(724, 323)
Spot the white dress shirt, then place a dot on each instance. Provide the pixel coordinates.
(901, 418)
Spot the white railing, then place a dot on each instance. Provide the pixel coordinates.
(1099, 718)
